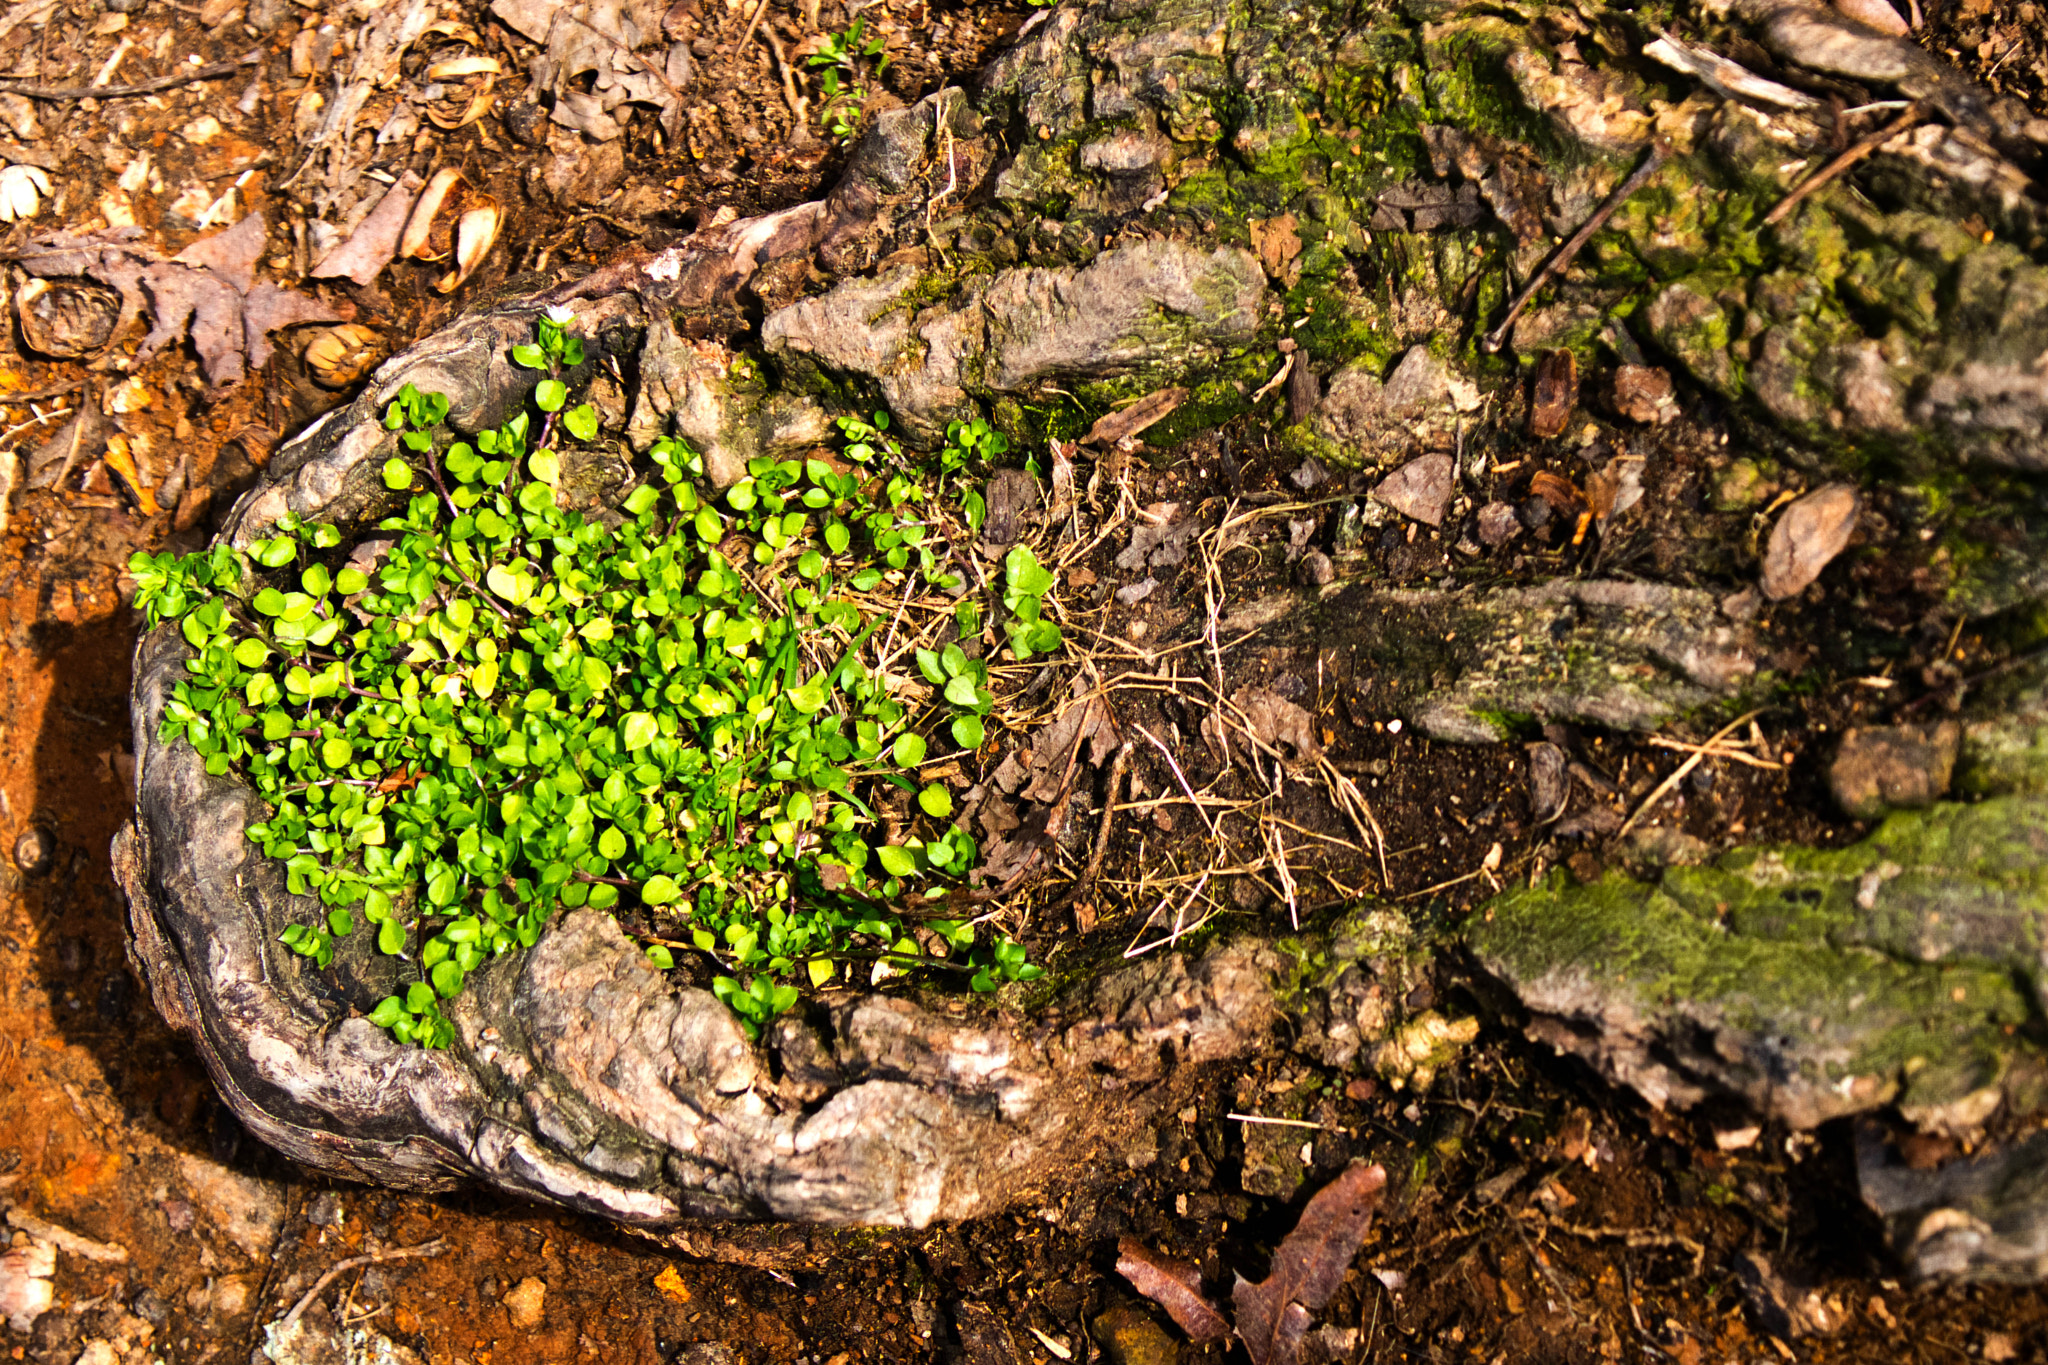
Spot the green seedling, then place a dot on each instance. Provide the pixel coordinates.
(501, 708)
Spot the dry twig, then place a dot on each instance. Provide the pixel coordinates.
(1660, 152)
(1843, 162)
(56, 93)
(340, 1268)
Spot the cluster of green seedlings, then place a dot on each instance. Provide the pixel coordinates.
(840, 60)
(502, 707)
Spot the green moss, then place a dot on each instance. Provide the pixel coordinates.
(1208, 406)
(1902, 958)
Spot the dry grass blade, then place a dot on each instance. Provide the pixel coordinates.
(1181, 778)
(1669, 784)
(1728, 751)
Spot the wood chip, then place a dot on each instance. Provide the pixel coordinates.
(1554, 394)
(1810, 533)
(1124, 423)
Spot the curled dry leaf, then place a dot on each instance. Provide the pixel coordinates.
(443, 192)
(475, 235)
(459, 67)
(1273, 1315)
(1811, 532)
(1173, 1284)
(20, 188)
(468, 84)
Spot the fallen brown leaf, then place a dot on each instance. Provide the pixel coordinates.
(375, 241)
(1174, 1285)
(1273, 1315)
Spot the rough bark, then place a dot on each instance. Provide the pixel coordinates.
(1142, 194)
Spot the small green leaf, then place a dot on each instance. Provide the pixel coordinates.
(908, 750)
(611, 844)
(388, 1012)
(336, 752)
(897, 862)
(581, 422)
(391, 938)
(961, 691)
(447, 979)
(544, 465)
(642, 499)
(251, 653)
(967, 731)
(397, 474)
(550, 394)
(936, 801)
(639, 731)
(659, 890)
(660, 956)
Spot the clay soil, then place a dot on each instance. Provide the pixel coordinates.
(1534, 1214)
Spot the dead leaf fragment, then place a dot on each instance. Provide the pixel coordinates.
(1616, 488)
(1556, 490)
(1112, 427)
(1420, 489)
(231, 255)
(1810, 533)
(1273, 1315)
(671, 1284)
(1643, 393)
(1173, 1284)
(206, 292)
(372, 245)
(1279, 246)
(1270, 719)
(1161, 542)
(1554, 394)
